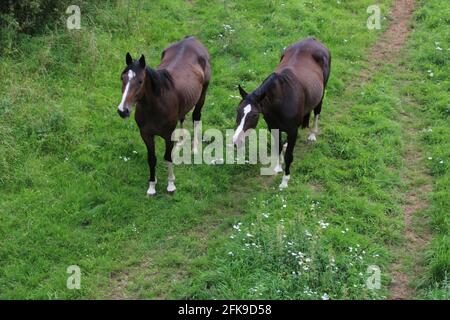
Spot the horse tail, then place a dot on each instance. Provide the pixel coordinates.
(202, 62)
(324, 60)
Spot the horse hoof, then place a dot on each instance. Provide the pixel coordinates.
(312, 137)
(283, 186)
(278, 169)
(151, 192)
(284, 182)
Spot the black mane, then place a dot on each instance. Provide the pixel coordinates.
(285, 77)
(160, 79)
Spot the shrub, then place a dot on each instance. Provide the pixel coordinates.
(27, 17)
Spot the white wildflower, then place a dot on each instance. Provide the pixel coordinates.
(323, 224)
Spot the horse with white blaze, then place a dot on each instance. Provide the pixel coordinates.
(163, 96)
(287, 97)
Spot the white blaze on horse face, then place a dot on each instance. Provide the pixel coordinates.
(239, 130)
(130, 75)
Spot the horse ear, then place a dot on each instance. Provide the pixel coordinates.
(242, 92)
(142, 61)
(128, 59)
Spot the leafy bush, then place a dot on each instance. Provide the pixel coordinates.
(27, 17)
(31, 16)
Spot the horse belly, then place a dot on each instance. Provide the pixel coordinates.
(314, 94)
(191, 95)
(189, 84)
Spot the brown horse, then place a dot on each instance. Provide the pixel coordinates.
(287, 97)
(163, 96)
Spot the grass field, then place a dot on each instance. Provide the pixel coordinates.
(69, 198)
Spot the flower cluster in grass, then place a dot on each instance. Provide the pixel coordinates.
(281, 254)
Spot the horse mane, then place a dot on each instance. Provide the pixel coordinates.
(286, 76)
(160, 79)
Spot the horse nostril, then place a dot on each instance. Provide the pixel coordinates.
(124, 113)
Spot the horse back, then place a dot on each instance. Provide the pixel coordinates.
(187, 56)
(309, 60)
(188, 63)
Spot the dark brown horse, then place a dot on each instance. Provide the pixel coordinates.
(163, 96)
(287, 97)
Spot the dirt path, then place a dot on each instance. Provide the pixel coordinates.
(387, 48)
(416, 234)
(417, 181)
(386, 51)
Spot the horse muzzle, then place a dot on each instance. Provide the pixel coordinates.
(238, 139)
(123, 114)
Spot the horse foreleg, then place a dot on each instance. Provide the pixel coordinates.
(278, 167)
(168, 157)
(181, 141)
(196, 117)
(151, 158)
(288, 158)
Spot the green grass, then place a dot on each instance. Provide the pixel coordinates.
(68, 198)
(428, 84)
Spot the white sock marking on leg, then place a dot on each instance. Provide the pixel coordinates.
(278, 167)
(151, 188)
(171, 178)
(284, 182)
(312, 136)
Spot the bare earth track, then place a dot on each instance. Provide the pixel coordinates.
(386, 51)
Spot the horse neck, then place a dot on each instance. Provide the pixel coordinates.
(150, 101)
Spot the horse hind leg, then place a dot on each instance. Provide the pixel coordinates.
(181, 141)
(196, 118)
(281, 150)
(312, 137)
(288, 158)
